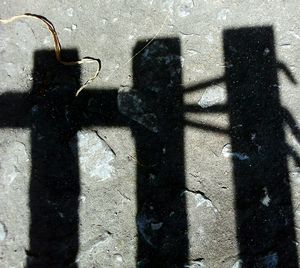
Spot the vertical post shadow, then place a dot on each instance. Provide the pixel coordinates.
(161, 207)
(54, 186)
(264, 209)
(265, 223)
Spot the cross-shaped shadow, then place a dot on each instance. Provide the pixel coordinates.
(154, 111)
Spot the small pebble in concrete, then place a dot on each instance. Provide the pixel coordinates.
(3, 231)
(266, 199)
(202, 201)
(199, 263)
(104, 236)
(82, 198)
(213, 96)
(266, 51)
(222, 15)
(237, 264)
(295, 175)
(227, 152)
(118, 258)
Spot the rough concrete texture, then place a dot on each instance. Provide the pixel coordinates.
(212, 216)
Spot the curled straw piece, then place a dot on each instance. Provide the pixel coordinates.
(57, 46)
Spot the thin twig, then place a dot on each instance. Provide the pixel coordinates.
(57, 46)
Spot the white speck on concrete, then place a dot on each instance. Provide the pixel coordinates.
(201, 201)
(195, 264)
(213, 96)
(266, 199)
(238, 264)
(67, 29)
(168, 5)
(295, 175)
(227, 152)
(70, 12)
(266, 51)
(185, 8)
(192, 52)
(182, 61)
(222, 15)
(209, 38)
(3, 231)
(71, 29)
(118, 258)
(82, 198)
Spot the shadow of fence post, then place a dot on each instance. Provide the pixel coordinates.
(264, 209)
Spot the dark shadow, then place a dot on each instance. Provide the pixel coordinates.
(54, 186)
(264, 210)
(265, 228)
(161, 217)
(54, 115)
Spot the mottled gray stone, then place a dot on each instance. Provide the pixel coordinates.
(213, 96)
(13, 161)
(96, 159)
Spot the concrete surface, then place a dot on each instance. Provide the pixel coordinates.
(109, 230)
